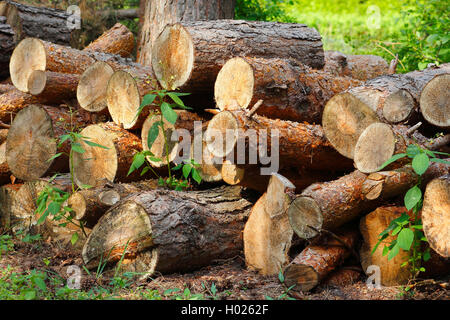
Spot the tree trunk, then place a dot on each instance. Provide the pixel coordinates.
(7, 44)
(317, 261)
(330, 205)
(300, 145)
(117, 40)
(189, 55)
(434, 101)
(436, 215)
(157, 14)
(379, 142)
(52, 87)
(267, 233)
(33, 139)
(39, 22)
(98, 166)
(392, 99)
(290, 91)
(89, 205)
(168, 231)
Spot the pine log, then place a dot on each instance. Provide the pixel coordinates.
(379, 142)
(267, 233)
(98, 166)
(189, 56)
(118, 40)
(168, 231)
(157, 14)
(342, 277)
(391, 98)
(33, 140)
(436, 215)
(290, 91)
(7, 43)
(434, 101)
(300, 145)
(330, 205)
(89, 205)
(317, 261)
(52, 87)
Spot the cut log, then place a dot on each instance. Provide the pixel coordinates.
(7, 44)
(330, 205)
(290, 91)
(392, 98)
(157, 14)
(434, 101)
(300, 145)
(98, 166)
(317, 261)
(123, 98)
(361, 67)
(436, 215)
(33, 138)
(89, 205)
(267, 233)
(190, 56)
(168, 231)
(210, 168)
(43, 23)
(118, 40)
(52, 87)
(342, 277)
(379, 142)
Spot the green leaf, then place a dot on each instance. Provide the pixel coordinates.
(54, 208)
(138, 161)
(148, 99)
(393, 252)
(412, 197)
(153, 134)
(175, 98)
(43, 217)
(420, 163)
(76, 147)
(391, 160)
(93, 144)
(426, 255)
(441, 161)
(74, 238)
(187, 170)
(178, 167)
(281, 277)
(55, 156)
(30, 295)
(161, 182)
(196, 176)
(385, 250)
(40, 283)
(412, 150)
(396, 230)
(168, 113)
(405, 239)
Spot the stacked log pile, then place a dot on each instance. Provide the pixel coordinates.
(289, 140)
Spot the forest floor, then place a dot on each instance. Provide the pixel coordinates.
(38, 270)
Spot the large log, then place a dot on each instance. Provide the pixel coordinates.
(118, 40)
(300, 145)
(189, 55)
(168, 231)
(43, 23)
(434, 101)
(330, 205)
(98, 166)
(317, 261)
(52, 87)
(157, 14)
(89, 205)
(391, 98)
(33, 140)
(7, 44)
(290, 91)
(436, 215)
(267, 233)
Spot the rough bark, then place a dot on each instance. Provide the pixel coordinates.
(169, 231)
(111, 162)
(52, 87)
(436, 215)
(157, 14)
(300, 145)
(330, 205)
(4, 88)
(117, 40)
(7, 44)
(267, 233)
(342, 277)
(317, 261)
(89, 205)
(189, 56)
(290, 91)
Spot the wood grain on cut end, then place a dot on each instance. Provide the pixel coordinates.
(436, 215)
(344, 119)
(210, 169)
(234, 85)
(375, 146)
(232, 174)
(435, 101)
(91, 91)
(30, 143)
(173, 56)
(398, 106)
(96, 165)
(28, 56)
(303, 277)
(123, 100)
(304, 213)
(221, 134)
(36, 82)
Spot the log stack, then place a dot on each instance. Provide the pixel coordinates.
(289, 141)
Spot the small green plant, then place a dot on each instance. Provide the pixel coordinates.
(166, 110)
(406, 229)
(285, 294)
(6, 244)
